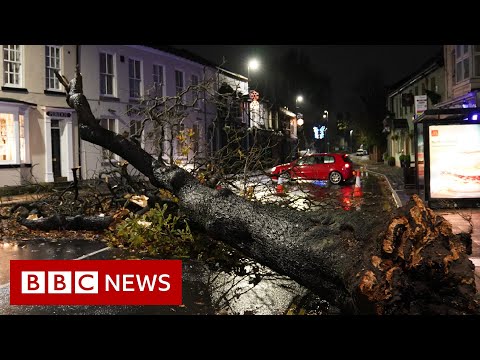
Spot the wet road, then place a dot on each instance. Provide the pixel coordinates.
(66, 249)
(204, 292)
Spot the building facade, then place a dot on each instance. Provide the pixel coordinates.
(37, 128)
(462, 76)
(39, 138)
(403, 105)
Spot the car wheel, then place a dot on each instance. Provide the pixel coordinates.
(335, 177)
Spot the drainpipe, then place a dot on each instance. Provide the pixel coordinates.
(77, 51)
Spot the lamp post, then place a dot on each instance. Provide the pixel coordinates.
(252, 64)
(300, 121)
(351, 143)
(325, 116)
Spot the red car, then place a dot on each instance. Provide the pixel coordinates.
(326, 166)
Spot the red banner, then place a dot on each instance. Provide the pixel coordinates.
(96, 282)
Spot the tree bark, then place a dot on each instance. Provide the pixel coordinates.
(408, 262)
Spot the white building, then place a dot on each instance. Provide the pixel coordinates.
(39, 138)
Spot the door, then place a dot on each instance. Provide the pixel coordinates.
(56, 161)
(305, 168)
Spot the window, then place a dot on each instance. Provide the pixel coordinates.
(158, 81)
(179, 82)
(13, 132)
(108, 124)
(476, 60)
(416, 90)
(12, 65)
(135, 78)
(135, 126)
(423, 89)
(195, 93)
(328, 159)
(107, 77)
(7, 138)
(52, 62)
(462, 63)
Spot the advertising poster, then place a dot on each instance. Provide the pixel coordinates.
(455, 161)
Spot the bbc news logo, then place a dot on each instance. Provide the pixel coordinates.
(95, 282)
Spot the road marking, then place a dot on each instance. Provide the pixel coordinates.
(79, 258)
(92, 253)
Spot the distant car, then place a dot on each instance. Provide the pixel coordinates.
(361, 152)
(325, 166)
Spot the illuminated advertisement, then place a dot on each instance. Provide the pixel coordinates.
(454, 161)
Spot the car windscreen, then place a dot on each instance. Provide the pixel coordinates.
(346, 158)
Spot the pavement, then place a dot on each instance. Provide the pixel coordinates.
(462, 219)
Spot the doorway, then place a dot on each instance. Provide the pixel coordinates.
(56, 155)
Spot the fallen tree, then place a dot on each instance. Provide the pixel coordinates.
(408, 262)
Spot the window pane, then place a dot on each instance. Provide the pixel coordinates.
(109, 89)
(459, 51)
(466, 68)
(7, 138)
(109, 64)
(137, 69)
(459, 72)
(103, 61)
(465, 49)
(103, 90)
(477, 65)
(130, 68)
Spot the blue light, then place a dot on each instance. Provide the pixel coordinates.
(475, 117)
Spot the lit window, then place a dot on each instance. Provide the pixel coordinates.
(7, 138)
(12, 65)
(52, 61)
(107, 77)
(135, 78)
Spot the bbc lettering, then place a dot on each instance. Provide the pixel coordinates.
(59, 282)
(95, 282)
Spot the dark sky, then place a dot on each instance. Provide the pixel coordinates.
(344, 63)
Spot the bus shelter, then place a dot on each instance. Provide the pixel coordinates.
(447, 157)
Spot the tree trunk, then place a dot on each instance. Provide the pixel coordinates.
(404, 263)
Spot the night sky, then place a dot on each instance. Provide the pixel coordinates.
(343, 63)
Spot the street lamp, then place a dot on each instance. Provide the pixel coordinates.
(252, 64)
(325, 116)
(298, 100)
(351, 143)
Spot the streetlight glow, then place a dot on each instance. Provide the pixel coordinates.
(299, 98)
(253, 64)
(300, 122)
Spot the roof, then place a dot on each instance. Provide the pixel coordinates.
(446, 114)
(426, 68)
(196, 58)
(17, 101)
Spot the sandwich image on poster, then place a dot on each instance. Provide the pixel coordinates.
(454, 161)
